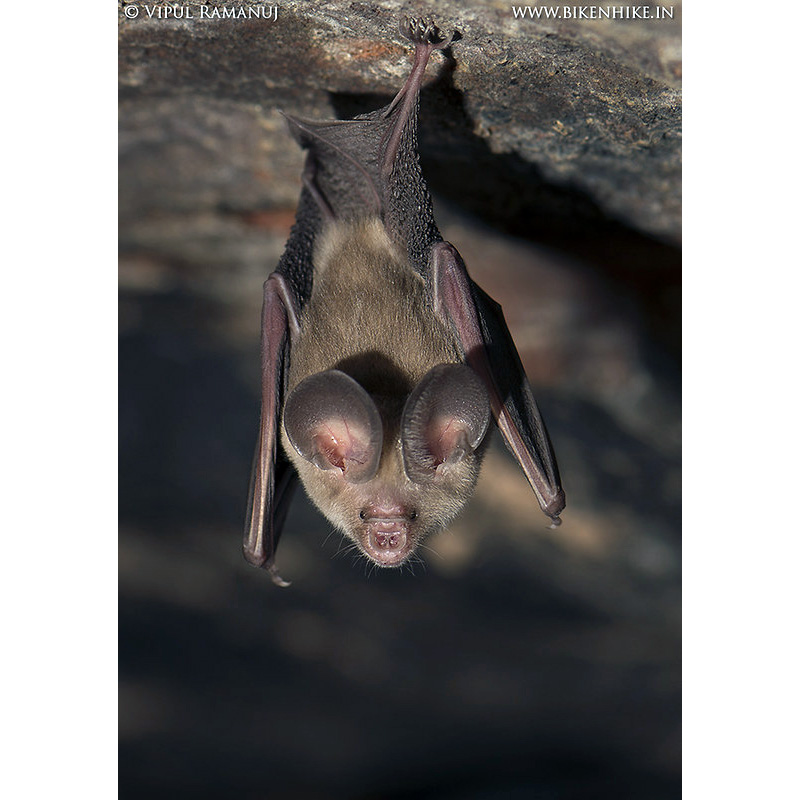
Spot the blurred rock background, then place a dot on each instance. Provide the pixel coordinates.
(517, 662)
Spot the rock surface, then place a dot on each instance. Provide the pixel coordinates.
(520, 662)
(534, 113)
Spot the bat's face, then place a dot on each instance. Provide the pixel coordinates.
(388, 477)
(389, 515)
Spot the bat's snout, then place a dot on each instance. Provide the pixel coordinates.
(387, 541)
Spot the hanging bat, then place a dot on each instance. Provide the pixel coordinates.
(382, 362)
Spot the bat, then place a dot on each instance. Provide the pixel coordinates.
(382, 362)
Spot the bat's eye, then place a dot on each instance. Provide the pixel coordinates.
(412, 515)
(361, 514)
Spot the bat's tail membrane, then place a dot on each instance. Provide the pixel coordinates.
(369, 166)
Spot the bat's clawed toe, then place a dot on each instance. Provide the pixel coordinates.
(425, 31)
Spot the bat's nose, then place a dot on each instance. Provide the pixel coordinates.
(387, 542)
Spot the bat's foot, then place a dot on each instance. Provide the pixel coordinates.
(424, 31)
(276, 579)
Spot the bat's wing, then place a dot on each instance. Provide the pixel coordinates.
(273, 478)
(369, 166)
(489, 349)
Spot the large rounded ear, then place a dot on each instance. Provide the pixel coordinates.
(332, 422)
(444, 420)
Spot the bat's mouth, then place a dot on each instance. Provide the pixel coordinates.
(387, 541)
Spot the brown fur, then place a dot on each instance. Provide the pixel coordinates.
(369, 316)
(368, 305)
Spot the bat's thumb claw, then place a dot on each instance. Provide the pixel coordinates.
(276, 579)
(555, 523)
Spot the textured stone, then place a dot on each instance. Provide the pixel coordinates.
(557, 122)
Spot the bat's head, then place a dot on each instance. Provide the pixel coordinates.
(384, 473)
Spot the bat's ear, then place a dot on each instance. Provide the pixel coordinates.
(332, 422)
(444, 420)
